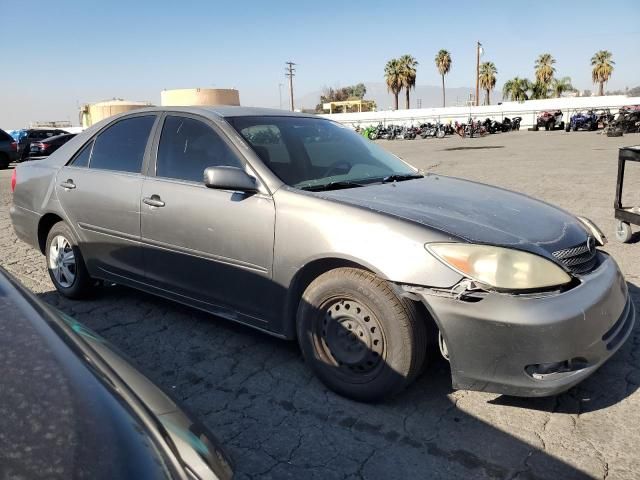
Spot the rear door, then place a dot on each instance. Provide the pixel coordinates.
(99, 191)
(211, 246)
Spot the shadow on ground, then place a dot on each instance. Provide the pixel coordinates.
(278, 421)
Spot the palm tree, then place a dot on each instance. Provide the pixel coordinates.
(516, 89)
(539, 90)
(443, 63)
(393, 76)
(487, 78)
(409, 65)
(544, 71)
(559, 86)
(602, 68)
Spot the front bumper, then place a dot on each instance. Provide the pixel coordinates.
(535, 345)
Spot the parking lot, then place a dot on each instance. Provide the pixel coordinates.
(278, 421)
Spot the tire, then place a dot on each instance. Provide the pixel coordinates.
(535, 128)
(74, 281)
(358, 336)
(574, 128)
(623, 231)
(546, 126)
(372, 136)
(561, 126)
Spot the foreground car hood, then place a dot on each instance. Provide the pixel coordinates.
(471, 211)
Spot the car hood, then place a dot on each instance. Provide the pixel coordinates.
(471, 212)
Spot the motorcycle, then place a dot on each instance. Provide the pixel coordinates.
(428, 130)
(405, 133)
(516, 123)
(492, 126)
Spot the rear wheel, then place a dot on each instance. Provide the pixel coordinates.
(623, 231)
(65, 263)
(359, 337)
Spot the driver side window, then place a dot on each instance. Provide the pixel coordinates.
(188, 146)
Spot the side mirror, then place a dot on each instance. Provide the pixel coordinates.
(229, 178)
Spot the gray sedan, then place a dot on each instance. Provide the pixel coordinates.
(299, 227)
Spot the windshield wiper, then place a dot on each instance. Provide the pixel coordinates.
(337, 185)
(399, 177)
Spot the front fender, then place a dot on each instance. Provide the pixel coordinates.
(309, 228)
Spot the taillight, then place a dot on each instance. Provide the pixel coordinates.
(13, 146)
(14, 178)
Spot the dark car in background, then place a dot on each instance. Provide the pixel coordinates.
(30, 135)
(46, 147)
(73, 407)
(8, 149)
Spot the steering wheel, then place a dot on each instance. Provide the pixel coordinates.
(334, 166)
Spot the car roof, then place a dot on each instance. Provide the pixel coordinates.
(225, 111)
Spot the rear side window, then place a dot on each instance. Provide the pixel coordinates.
(82, 158)
(121, 146)
(187, 147)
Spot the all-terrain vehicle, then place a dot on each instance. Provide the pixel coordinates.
(550, 121)
(627, 121)
(583, 120)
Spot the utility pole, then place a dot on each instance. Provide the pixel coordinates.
(478, 46)
(289, 72)
(280, 85)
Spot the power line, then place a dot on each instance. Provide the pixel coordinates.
(290, 73)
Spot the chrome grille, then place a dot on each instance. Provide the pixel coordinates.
(579, 259)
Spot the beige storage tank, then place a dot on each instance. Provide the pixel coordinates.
(94, 112)
(183, 97)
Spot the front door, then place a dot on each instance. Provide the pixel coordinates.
(211, 247)
(99, 192)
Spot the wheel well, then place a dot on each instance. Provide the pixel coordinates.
(45, 224)
(303, 279)
(313, 270)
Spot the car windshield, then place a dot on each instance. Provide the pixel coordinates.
(315, 154)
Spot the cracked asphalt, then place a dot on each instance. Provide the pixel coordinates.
(277, 421)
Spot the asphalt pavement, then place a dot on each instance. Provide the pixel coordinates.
(277, 421)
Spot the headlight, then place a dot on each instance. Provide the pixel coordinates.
(501, 268)
(594, 230)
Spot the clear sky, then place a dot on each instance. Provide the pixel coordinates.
(83, 51)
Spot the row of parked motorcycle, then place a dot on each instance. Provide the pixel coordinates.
(626, 121)
(439, 130)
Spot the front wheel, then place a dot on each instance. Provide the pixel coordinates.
(623, 231)
(65, 263)
(358, 336)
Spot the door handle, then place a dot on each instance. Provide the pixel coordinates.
(153, 201)
(69, 185)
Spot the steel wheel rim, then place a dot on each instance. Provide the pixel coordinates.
(62, 261)
(350, 338)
